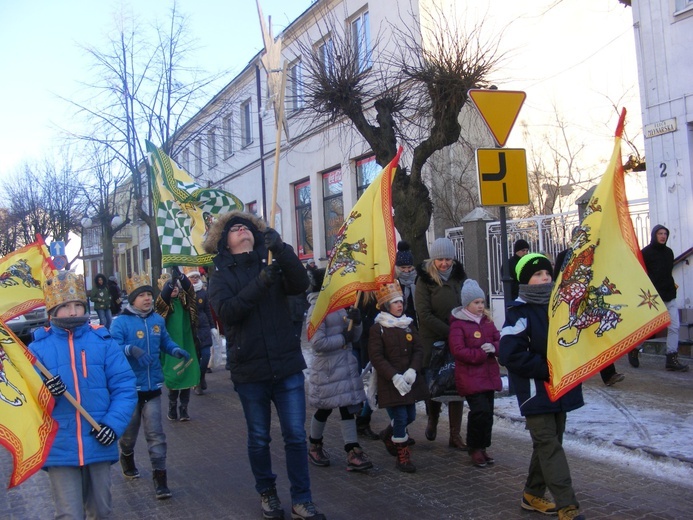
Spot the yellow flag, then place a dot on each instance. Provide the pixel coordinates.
(364, 253)
(603, 303)
(22, 274)
(27, 429)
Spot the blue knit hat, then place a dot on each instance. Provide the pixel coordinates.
(442, 248)
(404, 256)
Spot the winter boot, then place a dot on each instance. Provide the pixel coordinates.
(673, 363)
(488, 457)
(317, 455)
(203, 380)
(198, 390)
(127, 463)
(183, 413)
(271, 506)
(433, 409)
(478, 458)
(633, 358)
(357, 460)
(455, 409)
(386, 436)
(404, 462)
(172, 412)
(306, 511)
(162, 490)
(538, 504)
(570, 513)
(363, 428)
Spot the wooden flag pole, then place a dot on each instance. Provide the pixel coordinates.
(69, 397)
(277, 150)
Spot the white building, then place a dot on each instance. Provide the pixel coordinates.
(664, 39)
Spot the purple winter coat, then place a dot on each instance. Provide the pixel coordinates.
(475, 370)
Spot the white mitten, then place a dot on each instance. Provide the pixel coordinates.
(410, 376)
(400, 384)
(488, 348)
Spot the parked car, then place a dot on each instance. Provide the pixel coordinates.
(24, 324)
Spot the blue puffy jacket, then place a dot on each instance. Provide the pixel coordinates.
(149, 334)
(99, 377)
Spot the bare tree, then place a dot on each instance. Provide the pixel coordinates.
(414, 95)
(144, 90)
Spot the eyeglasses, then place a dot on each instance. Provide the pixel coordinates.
(237, 228)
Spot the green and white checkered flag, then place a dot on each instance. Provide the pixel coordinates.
(184, 210)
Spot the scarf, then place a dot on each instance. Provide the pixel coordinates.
(137, 312)
(540, 294)
(197, 286)
(474, 317)
(408, 283)
(445, 275)
(387, 320)
(70, 323)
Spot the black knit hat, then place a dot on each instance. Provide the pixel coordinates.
(520, 245)
(530, 264)
(404, 256)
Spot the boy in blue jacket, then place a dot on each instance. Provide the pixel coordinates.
(523, 347)
(142, 335)
(86, 362)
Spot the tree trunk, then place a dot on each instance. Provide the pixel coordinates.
(413, 209)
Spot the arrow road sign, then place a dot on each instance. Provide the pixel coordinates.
(502, 176)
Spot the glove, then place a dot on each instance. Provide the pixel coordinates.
(105, 435)
(180, 353)
(348, 336)
(143, 359)
(488, 348)
(400, 384)
(410, 376)
(175, 274)
(273, 242)
(56, 386)
(354, 315)
(270, 274)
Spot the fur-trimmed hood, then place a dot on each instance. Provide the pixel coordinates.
(216, 236)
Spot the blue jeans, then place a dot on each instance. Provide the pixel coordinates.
(105, 317)
(81, 491)
(288, 396)
(149, 413)
(402, 416)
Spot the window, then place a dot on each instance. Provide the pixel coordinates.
(366, 170)
(360, 35)
(212, 147)
(333, 206)
(228, 136)
(326, 53)
(246, 122)
(294, 89)
(304, 219)
(198, 157)
(185, 161)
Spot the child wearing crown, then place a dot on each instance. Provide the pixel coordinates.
(142, 335)
(176, 303)
(86, 362)
(396, 354)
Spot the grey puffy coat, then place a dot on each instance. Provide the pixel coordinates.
(334, 378)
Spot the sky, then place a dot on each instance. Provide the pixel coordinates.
(572, 57)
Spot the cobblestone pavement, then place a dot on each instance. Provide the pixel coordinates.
(210, 477)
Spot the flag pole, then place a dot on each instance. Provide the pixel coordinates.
(356, 304)
(69, 397)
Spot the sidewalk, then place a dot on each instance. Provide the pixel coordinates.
(629, 450)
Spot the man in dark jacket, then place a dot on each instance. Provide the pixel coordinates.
(520, 249)
(249, 297)
(659, 264)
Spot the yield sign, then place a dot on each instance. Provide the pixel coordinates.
(499, 110)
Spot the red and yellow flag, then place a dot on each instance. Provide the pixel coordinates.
(363, 256)
(603, 303)
(27, 429)
(22, 274)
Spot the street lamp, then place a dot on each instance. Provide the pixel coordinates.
(116, 221)
(86, 221)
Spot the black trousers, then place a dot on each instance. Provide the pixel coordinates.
(479, 420)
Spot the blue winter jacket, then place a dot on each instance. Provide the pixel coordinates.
(98, 376)
(523, 351)
(149, 334)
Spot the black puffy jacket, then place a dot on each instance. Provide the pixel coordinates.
(659, 263)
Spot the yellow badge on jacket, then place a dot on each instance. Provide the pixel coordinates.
(140, 334)
(477, 334)
(409, 337)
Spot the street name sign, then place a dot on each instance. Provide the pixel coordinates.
(502, 176)
(499, 110)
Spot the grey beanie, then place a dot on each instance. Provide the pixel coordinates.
(470, 292)
(442, 248)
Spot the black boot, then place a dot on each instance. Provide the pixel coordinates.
(162, 490)
(203, 381)
(127, 463)
(183, 413)
(674, 364)
(363, 428)
(386, 437)
(172, 412)
(633, 358)
(433, 409)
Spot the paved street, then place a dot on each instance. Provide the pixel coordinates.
(210, 478)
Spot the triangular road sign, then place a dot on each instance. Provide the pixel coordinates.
(499, 110)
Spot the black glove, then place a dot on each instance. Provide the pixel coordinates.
(273, 242)
(175, 274)
(56, 386)
(270, 274)
(348, 336)
(354, 315)
(105, 435)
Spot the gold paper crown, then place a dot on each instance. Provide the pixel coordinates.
(136, 281)
(64, 287)
(389, 292)
(165, 277)
(188, 270)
